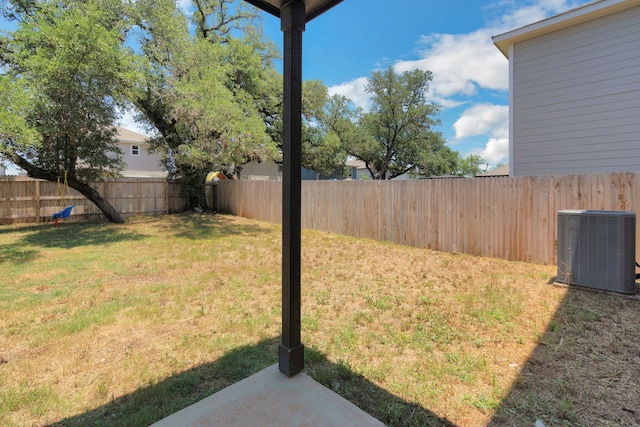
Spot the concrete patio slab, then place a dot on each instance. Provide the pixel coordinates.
(269, 398)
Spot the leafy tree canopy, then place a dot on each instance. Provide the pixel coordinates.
(397, 135)
(399, 126)
(470, 165)
(206, 88)
(65, 74)
(322, 151)
(212, 97)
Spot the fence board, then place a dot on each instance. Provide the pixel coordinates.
(513, 218)
(26, 200)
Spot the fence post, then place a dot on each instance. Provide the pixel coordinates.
(166, 197)
(37, 201)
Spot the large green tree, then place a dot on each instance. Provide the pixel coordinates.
(65, 74)
(470, 165)
(398, 130)
(207, 93)
(397, 134)
(207, 88)
(322, 149)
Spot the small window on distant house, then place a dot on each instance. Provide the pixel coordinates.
(135, 150)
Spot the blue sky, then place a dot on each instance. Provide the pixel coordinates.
(450, 38)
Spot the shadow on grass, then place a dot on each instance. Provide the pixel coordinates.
(76, 234)
(208, 226)
(87, 233)
(585, 368)
(157, 401)
(584, 371)
(17, 254)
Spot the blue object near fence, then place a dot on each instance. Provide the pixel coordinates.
(64, 213)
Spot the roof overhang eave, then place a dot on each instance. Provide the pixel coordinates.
(313, 8)
(569, 18)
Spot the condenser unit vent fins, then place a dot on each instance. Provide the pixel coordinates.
(596, 249)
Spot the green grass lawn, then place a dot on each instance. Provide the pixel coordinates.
(122, 325)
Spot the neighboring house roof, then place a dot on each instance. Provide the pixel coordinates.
(587, 12)
(358, 164)
(500, 171)
(125, 135)
(446, 176)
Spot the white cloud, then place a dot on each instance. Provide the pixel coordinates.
(486, 119)
(355, 90)
(185, 6)
(483, 119)
(518, 14)
(496, 151)
(461, 63)
(464, 63)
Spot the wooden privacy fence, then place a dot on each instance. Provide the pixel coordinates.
(30, 200)
(514, 218)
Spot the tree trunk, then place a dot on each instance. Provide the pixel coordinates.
(85, 189)
(94, 196)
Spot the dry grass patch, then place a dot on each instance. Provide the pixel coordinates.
(124, 324)
(446, 332)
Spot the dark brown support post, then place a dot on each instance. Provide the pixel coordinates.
(291, 349)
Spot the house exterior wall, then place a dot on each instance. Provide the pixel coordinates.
(143, 164)
(575, 98)
(357, 169)
(261, 170)
(360, 173)
(144, 161)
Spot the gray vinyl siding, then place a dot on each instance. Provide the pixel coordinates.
(144, 161)
(576, 98)
(261, 170)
